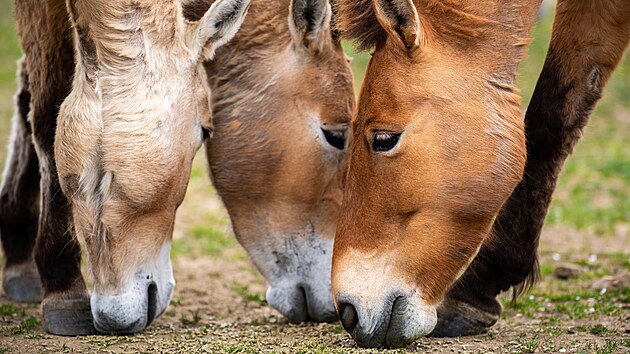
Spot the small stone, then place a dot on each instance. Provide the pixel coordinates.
(567, 271)
(616, 282)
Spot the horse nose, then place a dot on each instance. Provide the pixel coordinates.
(366, 326)
(301, 303)
(298, 312)
(395, 320)
(125, 314)
(349, 316)
(153, 305)
(107, 322)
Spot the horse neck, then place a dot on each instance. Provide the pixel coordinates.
(118, 24)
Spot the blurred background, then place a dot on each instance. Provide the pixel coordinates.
(593, 193)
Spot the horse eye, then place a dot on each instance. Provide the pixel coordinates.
(384, 141)
(206, 133)
(336, 138)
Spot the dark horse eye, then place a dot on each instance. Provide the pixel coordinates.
(336, 138)
(206, 133)
(384, 141)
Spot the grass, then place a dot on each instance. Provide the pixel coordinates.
(574, 303)
(26, 325)
(209, 238)
(243, 291)
(190, 321)
(10, 310)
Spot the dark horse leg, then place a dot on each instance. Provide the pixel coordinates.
(589, 38)
(19, 204)
(46, 40)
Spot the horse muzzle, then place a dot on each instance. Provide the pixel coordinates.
(394, 321)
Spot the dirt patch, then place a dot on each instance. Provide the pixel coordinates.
(218, 306)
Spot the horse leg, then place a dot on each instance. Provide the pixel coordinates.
(47, 43)
(589, 38)
(19, 204)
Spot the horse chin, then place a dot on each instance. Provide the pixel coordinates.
(397, 319)
(376, 306)
(301, 302)
(297, 269)
(144, 297)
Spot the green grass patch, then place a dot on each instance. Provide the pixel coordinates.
(211, 238)
(243, 291)
(574, 304)
(190, 321)
(599, 330)
(10, 310)
(609, 347)
(26, 325)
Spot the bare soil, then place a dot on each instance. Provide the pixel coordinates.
(219, 306)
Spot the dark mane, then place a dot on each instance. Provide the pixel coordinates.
(458, 23)
(357, 22)
(194, 10)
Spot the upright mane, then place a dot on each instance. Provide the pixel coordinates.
(356, 21)
(465, 24)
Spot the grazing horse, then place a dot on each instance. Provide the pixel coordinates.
(442, 168)
(118, 140)
(282, 100)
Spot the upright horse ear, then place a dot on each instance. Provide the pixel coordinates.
(309, 22)
(400, 20)
(219, 25)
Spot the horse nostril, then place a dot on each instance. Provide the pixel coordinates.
(349, 316)
(152, 307)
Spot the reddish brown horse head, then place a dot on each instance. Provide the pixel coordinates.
(438, 146)
(437, 169)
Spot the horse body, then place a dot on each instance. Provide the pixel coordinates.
(438, 156)
(282, 100)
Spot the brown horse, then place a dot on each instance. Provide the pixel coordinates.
(437, 171)
(282, 100)
(124, 140)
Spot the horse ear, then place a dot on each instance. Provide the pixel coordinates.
(400, 20)
(219, 24)
(309, 21)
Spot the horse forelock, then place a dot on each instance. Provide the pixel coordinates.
(356, 21)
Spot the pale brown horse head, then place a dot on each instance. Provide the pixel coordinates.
(282, 101)
(437, 148)
(126, 137)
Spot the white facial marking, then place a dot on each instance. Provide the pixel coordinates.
(293, 261)
(127, 310)
(370, 283)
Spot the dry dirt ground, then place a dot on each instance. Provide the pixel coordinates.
(219, 304)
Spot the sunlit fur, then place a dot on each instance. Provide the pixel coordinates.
(447, 85)
(126, 137)
(442, 75)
